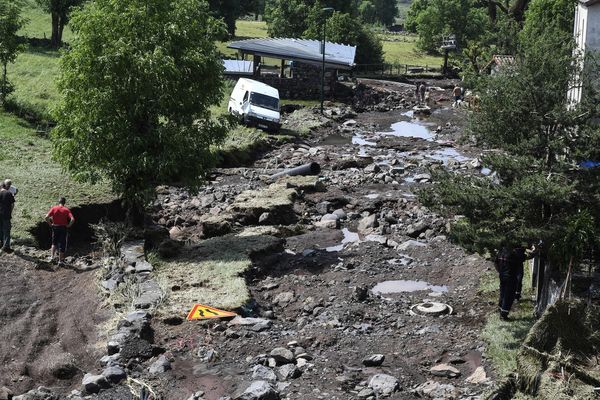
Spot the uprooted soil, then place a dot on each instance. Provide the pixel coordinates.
(51, 324)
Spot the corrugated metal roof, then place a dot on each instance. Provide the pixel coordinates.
(309, 51)
(238, 67)
(588, 3)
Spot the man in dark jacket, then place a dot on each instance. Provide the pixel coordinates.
(7, 204)
(509, 264)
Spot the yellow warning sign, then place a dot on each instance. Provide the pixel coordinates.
(200, 311)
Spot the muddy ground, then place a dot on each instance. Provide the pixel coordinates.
(320, 292)
(359, 254)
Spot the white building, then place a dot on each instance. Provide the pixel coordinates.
(587, 34)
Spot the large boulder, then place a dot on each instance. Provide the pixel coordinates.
(259, 390)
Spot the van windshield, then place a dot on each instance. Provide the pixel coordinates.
(264, 101)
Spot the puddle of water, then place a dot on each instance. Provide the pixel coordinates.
(388, 287)
(447, 154)
(409, 129)
(349, 237)
(359, 140)
(336, 140)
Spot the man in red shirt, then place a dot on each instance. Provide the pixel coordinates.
(60, 219)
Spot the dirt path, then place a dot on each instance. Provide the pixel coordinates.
(50, 325)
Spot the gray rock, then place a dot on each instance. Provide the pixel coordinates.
(160, 366)
(114, 374)
(384, 385)
(262, 373)
(288, 371)
(151, 294)
(199, 395)
(372, 169)
(329, 217)
(329, 224)
(94, 383)
(341, 214)
(323, 207)
(366, 393)
(143, 266)
(445, 370)
(374, 360)
(368, 223)
(5, 393)
(282, 356)
(264, 218)
(259, 390)
(284, 298)
(436, 390)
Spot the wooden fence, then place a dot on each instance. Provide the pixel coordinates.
(389, 70)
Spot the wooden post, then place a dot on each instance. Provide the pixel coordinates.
(282, 71)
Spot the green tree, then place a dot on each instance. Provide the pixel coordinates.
(367, 12)
(228, 10)
(286, 18)
(343, 28)
(437, 18)
(386, 11)
(59, 11)
(137, 86)
(539, 192)
(10, 23)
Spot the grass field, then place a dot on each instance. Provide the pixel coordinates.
(26, 160)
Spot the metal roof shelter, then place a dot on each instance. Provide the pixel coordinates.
(337, 56)
(238, 67)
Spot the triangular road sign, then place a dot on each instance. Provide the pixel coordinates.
(200, 311)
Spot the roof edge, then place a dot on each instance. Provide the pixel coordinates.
(588, 3)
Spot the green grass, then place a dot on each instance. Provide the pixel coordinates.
(26, 160)
(402, 49)
(39, 22)
(212, 272)
(34, 77)
(504, 338)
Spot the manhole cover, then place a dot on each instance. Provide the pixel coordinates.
(431, 308)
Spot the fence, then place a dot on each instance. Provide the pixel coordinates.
(365, 70)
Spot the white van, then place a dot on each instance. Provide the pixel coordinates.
(255, 104)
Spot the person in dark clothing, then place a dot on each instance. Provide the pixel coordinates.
(509, 262)
(7, 204)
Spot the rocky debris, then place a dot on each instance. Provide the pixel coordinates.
(94, 383)
(5, 393)
(477, 377)
(114, 374)
(374, 360)
(259, 390)
(445, 370)
(367, 224)
(255, 324)
(288, 371)
(282, 356)
(41, 393)
(199, 395)
(437, 391)
(384, 385)
(160, 366)
(262, 373)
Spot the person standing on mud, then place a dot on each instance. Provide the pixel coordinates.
(422, 90)
(7, 204)
(60, 219)
(457, 93)
(509, 264)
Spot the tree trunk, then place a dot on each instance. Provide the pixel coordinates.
(4, 85)
(493, 12)
(56, 31)
(61, 28)
(518, 9)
